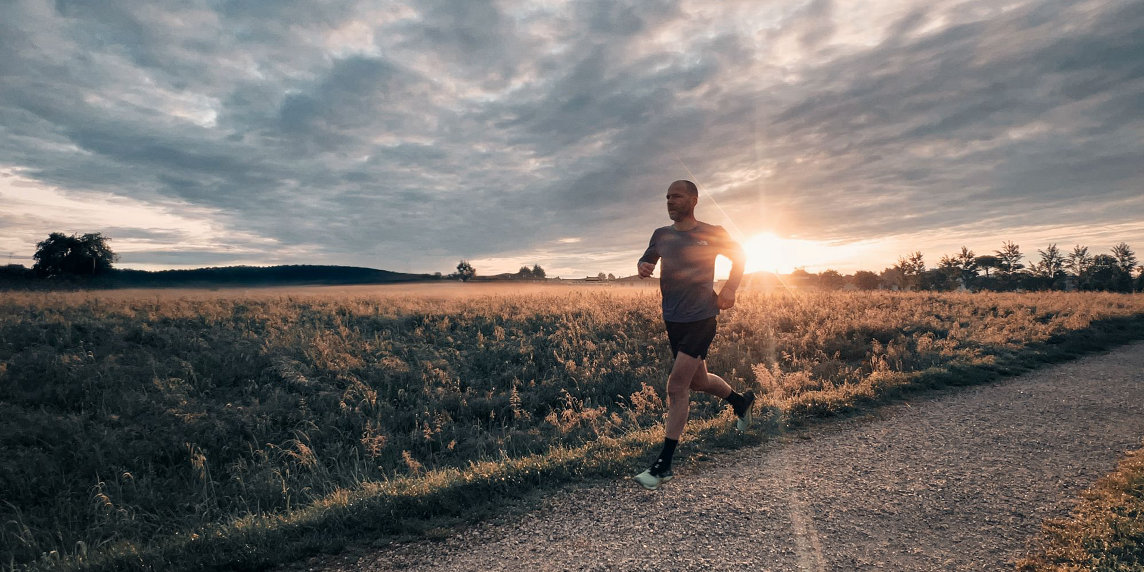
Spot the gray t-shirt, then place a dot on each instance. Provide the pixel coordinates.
(687, 272)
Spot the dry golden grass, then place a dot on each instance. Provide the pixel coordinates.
(1105, 530)
(132, 421)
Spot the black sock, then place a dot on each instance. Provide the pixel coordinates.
(663, 462)
(738, 402)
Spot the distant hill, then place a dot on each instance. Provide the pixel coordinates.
(300, 274)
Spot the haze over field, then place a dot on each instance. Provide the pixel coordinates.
(407, 135)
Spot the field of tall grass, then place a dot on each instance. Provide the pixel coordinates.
(235, 430)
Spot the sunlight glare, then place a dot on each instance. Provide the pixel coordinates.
(770, 253)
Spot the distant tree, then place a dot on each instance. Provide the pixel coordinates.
(14, 271)
(988, 262)
(1125, 262)
(892, 277)
(1009, 266)
(950, 267)
(538, 272)
(1103, 273)
(1010, 256)
(611, 276)
(1051, 268)
(1078, 262)
(866, 280)
(911, 267)
(602, 276)
(465, 271)
(1125, 258)
(77, 255)
(935, 279)
(524, 273)
(830, 280)
(967, 262)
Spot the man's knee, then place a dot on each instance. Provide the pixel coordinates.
(678, 386)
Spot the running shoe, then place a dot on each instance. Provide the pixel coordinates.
(744, 419)
(651, 481)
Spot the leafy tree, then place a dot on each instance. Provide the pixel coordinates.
(1079, 261)
(866, 280)
(1125, 263)
(465, 271)
(911, 267)
(1052, 265)
(935, 280)
(77, 255)
(1010, 256)
(602, 276)
(1103, 273)
(988, 262)
(524, 273)
(611, 276)
(950, 267)
(1125, 258)
(967, 265)
(830, 280)
(538, 272)
(893, 277)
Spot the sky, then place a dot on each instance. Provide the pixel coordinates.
(409, 135)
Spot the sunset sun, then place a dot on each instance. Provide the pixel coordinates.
(768, 252)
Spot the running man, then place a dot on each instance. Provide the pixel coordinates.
(687, 283)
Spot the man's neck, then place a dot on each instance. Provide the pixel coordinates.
(685, 224)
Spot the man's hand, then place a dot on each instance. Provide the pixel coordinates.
(726, 298)
(645, 269)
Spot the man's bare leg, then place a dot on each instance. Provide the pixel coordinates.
(679, 381)
(688, 373)
(709, 383)
(683, 371)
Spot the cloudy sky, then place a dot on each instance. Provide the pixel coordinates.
(408, 135)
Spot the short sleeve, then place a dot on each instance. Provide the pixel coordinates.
(651, 255)
(728, 246)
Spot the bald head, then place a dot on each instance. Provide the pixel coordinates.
(686, 186)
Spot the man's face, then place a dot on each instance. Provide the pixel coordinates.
(680, 203)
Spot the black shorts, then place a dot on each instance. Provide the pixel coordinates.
(691, 338)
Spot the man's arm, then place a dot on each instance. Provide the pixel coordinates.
(646, 265)
(731, 249)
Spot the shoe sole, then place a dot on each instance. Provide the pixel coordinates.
(659, 482)
(744, 422)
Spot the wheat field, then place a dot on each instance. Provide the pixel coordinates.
(239, 428)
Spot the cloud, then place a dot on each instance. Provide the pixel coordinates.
(414, 135)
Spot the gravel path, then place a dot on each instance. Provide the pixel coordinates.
(956, 481)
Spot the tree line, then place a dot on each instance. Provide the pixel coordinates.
(466, 272)
(1003, 270)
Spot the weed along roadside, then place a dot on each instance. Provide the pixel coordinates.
(1103, 531)
(172, 431)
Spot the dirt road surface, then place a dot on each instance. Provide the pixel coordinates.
(959, 480)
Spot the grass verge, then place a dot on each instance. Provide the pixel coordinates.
(182, 431)
(1104, 532)
(1107, 532)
